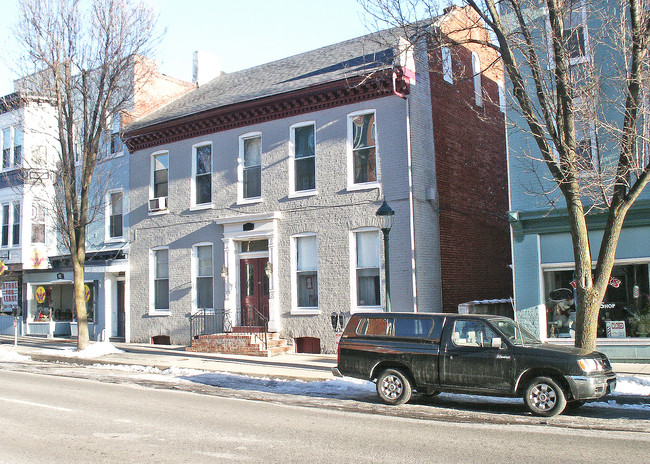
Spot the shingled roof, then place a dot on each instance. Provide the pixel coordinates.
(363, 55)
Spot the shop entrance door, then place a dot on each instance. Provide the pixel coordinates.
(117, 324)
(254, 290)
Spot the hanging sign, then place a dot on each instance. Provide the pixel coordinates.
(3, 268)
(86, 293)
(40, 295)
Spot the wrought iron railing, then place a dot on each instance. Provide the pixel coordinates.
(216, 321)
(209, 321)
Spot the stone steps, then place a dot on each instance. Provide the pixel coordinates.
(239, 343)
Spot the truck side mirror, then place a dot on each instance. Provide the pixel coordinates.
(496, 342)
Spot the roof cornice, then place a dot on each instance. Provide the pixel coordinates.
(246, 113)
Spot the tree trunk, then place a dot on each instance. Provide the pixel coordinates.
(80, 301)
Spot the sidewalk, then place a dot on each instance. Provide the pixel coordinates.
(307, 367)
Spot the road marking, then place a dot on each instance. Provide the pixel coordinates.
(40, 405)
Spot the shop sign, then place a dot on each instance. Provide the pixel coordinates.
(86, 293)
(40, 295)
(3, 268)
(10, 293)
(615, 329)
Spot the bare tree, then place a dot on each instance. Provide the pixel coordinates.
(82, 56)
(560, 90)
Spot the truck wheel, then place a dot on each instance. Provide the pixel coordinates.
(393, 387)
(544, 397)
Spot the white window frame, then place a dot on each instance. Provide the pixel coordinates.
(447, 68)
(115, 124)
(13, 223)
(364, 185)
(195, 275)
(240, 170)
(5, 218)
(581, 5)
(12, 147)
(152, 279)
(193, 204)
(107, 216)
(36, 206)
(354, 307)
(478, 79)
(152, 169)
(292, 162)
(295, 309)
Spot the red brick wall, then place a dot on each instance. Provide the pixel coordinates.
(471, 171)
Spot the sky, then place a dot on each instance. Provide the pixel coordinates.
(242, 33)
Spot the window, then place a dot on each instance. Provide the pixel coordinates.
(160, 279)
(202, 170)
(16, 224)
(472, 333)
(368, 292)
(447, 71)
(204, 277)
(303, 174)
(6, 148)
(18, 146)
(574, 34)
(5, 225)
(586, 148)
(478, 87)
(38, 223)
(306, 277)
(160, 175)
(115, 214)
(395, 327)
(250, 161)
(624, 312)
(363, 138)
(116, 147)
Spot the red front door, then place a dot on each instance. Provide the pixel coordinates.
(254, 292)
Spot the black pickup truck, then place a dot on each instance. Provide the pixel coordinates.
(476, 354)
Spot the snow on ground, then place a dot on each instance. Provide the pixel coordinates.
(93, 350)
(12, 356)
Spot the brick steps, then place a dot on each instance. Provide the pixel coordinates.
(239, 343)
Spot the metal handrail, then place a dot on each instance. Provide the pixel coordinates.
(209, 321)
(257, 324)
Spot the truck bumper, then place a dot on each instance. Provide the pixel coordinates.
(336, 372)
(585, 387)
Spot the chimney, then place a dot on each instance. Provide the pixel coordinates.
(205, 67)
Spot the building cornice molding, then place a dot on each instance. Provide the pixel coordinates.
(316, 98)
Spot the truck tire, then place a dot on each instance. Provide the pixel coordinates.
(393, 387)
(544, 397)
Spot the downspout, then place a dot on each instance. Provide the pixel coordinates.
(411, 205)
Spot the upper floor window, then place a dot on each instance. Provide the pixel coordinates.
(5, 225)
(306, 268)
(447, 70)
(115, 145)
(478, 87)
(575, 30)
(250, 162)
(10, 224)
(12, 147)
(202, 172)
(115, 215)
(160, 265)
(363, 143)
(367, 279)
(159, 181)
(38, 223)
(303, 172)
(16, 224)
(203, 277)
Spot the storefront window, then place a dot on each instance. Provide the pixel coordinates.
(56, 303)
(625, 311)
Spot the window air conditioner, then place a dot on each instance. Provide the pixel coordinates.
(158, 204)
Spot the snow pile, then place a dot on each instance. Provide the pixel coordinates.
(12, 356)
(632, 385)
(93, 350)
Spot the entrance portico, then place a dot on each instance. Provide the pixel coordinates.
(249, 270)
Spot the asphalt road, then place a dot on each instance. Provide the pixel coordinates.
(53, 419)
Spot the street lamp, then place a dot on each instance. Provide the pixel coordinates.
(385, 216)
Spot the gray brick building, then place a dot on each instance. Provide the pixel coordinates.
(257, 192)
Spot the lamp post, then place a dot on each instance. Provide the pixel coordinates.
(385, 216)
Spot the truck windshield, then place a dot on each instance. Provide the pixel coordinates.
(515, 333)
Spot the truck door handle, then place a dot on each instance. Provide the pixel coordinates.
(503, 356)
